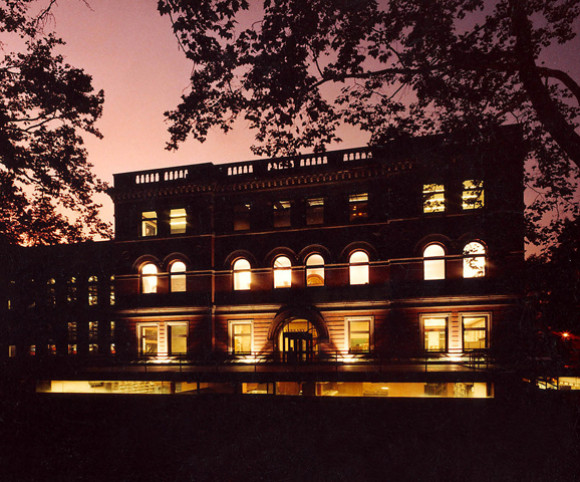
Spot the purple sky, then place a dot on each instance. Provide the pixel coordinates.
(131, 52)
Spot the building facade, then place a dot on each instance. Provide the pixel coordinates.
(400, 252)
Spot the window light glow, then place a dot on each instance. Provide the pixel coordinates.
(358, 206)
(434, 268)
(433, 198)
(435, 330)
(148, 223)
(473, 260)
(242, 275)
(472, 196)
(282, 272)
(177, 221)
(149, 278)
(359, 268)
(474, 332)
(178, 280)
(315, 270)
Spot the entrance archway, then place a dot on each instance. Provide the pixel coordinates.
(298, 341)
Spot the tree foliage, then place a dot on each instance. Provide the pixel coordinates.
(46, 183)
(391, 68)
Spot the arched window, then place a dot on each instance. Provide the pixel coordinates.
(315, 270)
(473, 260)
(242, 274)
(359, 268)
(282, 272)
(177, 273)
(149, 278)
(434, 262)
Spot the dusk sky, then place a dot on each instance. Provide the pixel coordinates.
(131, 52)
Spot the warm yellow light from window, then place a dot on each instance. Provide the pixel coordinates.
(282, 272)
(177, 221)
(434, 268)
(435, 333)
(433, 198)
(242, 275)
(149, 223)
(474, 332)
(315, 270)
(472, 196)
(149, 278)
(359, 268)
(178, 280)
(473, 260)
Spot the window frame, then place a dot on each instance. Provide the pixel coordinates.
(93, 290)
(358, 207)
(282, 215)
(174, 275)
(424, 331)
(315, 211)
(475, 192)
(144, 276)
(467, 257)
(154, 220)
(169, 337)
(439, 259)
(281, 271)
(180, 219)
(430, 198)
(356, 265)
(314, 267)
(486, 330)
(348, 333)
(237, 273)
(241, 218)
(232, 336)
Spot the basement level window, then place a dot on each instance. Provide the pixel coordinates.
(148, 223)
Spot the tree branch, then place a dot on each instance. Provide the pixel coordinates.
(563, 77)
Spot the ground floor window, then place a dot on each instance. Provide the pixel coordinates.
(240, 337)
(162, 339)
(435, 333)
(359, 334)
(475, 328)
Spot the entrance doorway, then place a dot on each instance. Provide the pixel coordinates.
(298, 342)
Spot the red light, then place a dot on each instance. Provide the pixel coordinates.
(565, 335)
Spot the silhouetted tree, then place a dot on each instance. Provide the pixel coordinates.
(46, 183)
(296, 70)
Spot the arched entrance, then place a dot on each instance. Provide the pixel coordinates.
(298, 341)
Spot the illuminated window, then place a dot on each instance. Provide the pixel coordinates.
(93, 348)
(359, 268)
(472, 195)
(240, 337)
(435, 332)
(177, 339)
(149, 342)
(242, 274)
(93, 291)
(72, 331)
(149, 278)
(282, 214)
(475, 332)
(112, 291)
(177, 221)
(32, 350)
(315, 211)
(93, 331)
(12, 351)
(148, 223)
(72, 349)
(434, 262)
(473, 260)
(178, 280)
(359, 335)
(51, 349)
(242, 216)
(433, 198)
(282, 272)
(315, 270)
(71, 290)
(113, 349)
(112, 328)
(51, 292)
(358, 205)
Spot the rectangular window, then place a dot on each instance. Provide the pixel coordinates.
(358, 205)
(113, 349)
(93, 349)
(241, 337)
(177, 339)
(51, 348)
(359, 335)
(32, 350)
(93, 331)
(112, 291)
(472, 195)
(72, 348)
(475, 332)
(315, 211)
(282, 214)
(177, 221)
(112, 328)
(435, 332)
(433, 198)
(93, 292)
(72, 331)
(12, 351)
(242, 216)
(149, 342)
(148, 223)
